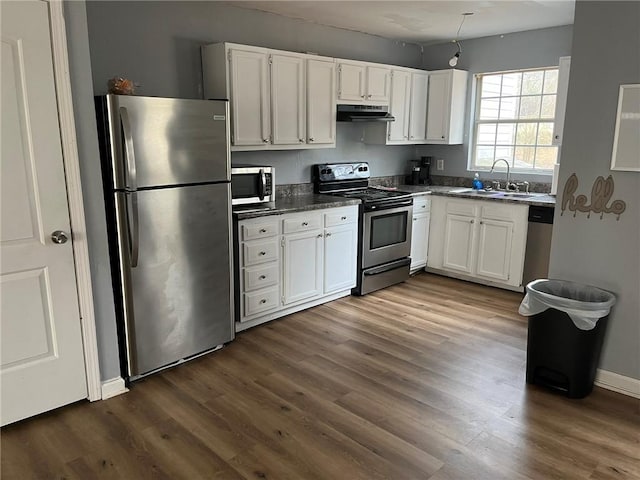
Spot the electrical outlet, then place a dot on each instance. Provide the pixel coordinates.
(440, 164)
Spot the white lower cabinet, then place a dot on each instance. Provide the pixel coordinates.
(286, 263)
(478, 240)
(420, 232)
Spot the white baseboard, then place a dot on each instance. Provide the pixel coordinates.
(113, 387)
(618, 383)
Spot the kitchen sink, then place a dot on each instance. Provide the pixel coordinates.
(473, 192)
(492, 193)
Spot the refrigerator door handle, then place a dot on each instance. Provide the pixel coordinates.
(130, 161)
(132, 223)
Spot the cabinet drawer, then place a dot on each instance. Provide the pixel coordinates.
(266, 228)
(301, 223)
(341, 218)
(495, 211)
(260, 251)
(260, 301)
(421, 204)
(260, 276)
(462, 207)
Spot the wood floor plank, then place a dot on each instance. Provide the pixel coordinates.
(422, 380)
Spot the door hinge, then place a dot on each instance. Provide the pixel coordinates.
(282, 241)
(270, 59)
(282, 300)
(229, 55)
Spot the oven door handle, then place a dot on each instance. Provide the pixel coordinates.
(396, 204)
(387, 267)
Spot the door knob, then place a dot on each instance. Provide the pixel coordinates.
(59, 237)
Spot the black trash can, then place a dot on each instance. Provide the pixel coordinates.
(566, 331)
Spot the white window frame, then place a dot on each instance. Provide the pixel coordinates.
(475, 121)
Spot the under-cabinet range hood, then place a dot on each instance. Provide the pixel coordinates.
(364, 113)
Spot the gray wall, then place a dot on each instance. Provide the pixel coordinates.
(604, 253)
(85, 118)
(157, 44)
(512, 51)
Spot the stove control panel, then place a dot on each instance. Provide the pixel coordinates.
(330, 172)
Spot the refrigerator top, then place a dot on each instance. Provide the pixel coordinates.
(159, 142)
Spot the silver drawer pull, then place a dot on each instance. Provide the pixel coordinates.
(343, 218)
(319, 235)
(423, 206)
(263, 301)
(262, 253)
(262, 277)
(304, 224)
(328, 234)
(263, 230)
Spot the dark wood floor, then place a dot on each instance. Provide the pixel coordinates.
(423, 380)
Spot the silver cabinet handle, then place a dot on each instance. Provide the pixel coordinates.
(328, 234)
(473, 221)
(443, 137)
(263, 230)
(369, 96)
(319, 235)
(266, 140)
(304, 224)
(312, 139)
(262, 253)
(59, 237)
(343, 218)
(361, 96)
(262, 277)
(301, 140)
(263, 301)
(414, 219)
(423, 206)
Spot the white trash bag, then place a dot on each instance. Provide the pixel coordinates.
(584, 304)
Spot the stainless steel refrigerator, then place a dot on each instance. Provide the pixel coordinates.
(166, 172)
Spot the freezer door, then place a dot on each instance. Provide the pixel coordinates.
(167, 141)
(178, 296)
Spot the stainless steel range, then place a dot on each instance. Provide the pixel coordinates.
(384, 225)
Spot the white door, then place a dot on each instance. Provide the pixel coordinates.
(340, 257)
(419, 241)
(494, 249)
(399, 106)
(351, 82)
(302, 266)
(378, 84)
(42, 362)
(459, 236)
(321, 102)
(287, 100)
(418, 109)
(438, 107)
(250, 115)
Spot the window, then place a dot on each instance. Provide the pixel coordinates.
(514, 119)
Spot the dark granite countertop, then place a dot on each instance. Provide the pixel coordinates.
(536, 199)
(291, 204)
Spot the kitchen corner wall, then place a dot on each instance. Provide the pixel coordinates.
(511, 51)
(602, 252)
(157, 44)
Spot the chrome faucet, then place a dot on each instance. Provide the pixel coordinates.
(508, 171)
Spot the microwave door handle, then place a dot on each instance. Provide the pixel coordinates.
(130, 157)
(262, 184)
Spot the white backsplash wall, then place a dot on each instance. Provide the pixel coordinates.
(294, 166)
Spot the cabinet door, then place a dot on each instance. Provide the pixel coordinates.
(351, 82)
(561, 99)
(340, 256)
(250, 112)
(419, 236)
(378, 84)
(399, 106)
(321, 102)
(438, 107)
(302, 264)
(287, 100)
(459, 240)
(418, 109)
(494, 249)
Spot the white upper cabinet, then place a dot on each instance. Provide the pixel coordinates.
(250, 106)
(287, 100)
(363, 83)
(321, 102)
(418, 107)
(399, 106)
(270, 93)
(445, 106)
(561, 99)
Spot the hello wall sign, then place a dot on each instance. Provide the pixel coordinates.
(601, 194)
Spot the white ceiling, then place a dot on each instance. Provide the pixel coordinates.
(424, 22)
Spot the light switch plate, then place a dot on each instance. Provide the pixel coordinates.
(440, 164)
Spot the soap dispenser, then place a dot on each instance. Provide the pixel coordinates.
(477, 183)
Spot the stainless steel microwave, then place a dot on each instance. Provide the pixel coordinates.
(252, 184)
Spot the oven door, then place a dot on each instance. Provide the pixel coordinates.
(386, 235)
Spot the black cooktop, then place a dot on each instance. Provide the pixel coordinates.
(372, 195)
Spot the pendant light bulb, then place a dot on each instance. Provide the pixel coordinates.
(454, 60)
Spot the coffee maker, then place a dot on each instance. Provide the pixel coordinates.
(420, 171)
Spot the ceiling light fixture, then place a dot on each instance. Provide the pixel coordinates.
(454, 60)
